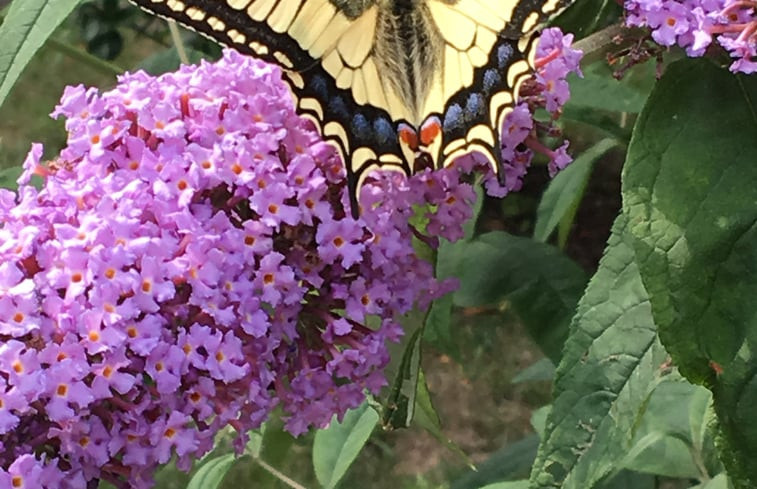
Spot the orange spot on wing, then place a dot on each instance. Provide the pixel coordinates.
(429, 132)
(409, 137)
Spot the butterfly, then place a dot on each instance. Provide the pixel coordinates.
(393, 84)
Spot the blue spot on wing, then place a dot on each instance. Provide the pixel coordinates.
(319, 86)
(504, 56)
(361, 128)
(453, 119)
(384, 132)
(338, 106)
(492, 79)
(475, 106)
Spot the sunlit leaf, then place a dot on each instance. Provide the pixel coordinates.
(612, 361)
(212, 472)
(26, 28)
(336, 447)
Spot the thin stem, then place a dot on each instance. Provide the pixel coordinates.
(597, 44)
(283, 478)
(88, 59)
(178, 42)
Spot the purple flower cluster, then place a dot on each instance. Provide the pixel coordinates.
(188, 264)
(692, 24)
(547, 89)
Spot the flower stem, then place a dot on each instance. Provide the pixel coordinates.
(84, 57)
(598, 44)
(283, 478)
(178, 42)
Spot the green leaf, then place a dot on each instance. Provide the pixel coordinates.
(627, 479)
(522, 484)
(583, 18)
(611, 363)
(336, 447)
(597, 89)
(510, 462)
(543, 370)
(560, 200)
(539, 419)
(273, 445)
(439, 330)
(689, 191)
(400, 403)
(664, 442)
(718, 482)
(26, 28)
(427, 417)
(536, 280)
(255, 443)
(212, 472)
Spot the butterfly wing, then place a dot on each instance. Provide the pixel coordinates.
(486, 58)
(325, 49)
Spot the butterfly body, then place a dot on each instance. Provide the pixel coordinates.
(397, 84)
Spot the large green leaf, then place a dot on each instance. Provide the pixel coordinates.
(535, 279)
(690, 191)
(611, 363)
(28, 25)
(336, 447)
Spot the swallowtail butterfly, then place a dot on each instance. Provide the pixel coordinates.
(397, 84)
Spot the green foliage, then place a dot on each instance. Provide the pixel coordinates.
(689, 193)
(511, 462)
(563, 195)
(522, 484)
(718, 482)
(24, 30)
(539, 283)
(336, 447)
(99, 21)
(168, 60)
(542, 370)
(675, 442)
(612, 360)
(8, 177)
(211, 473)
(594, 91)
(401, 400)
